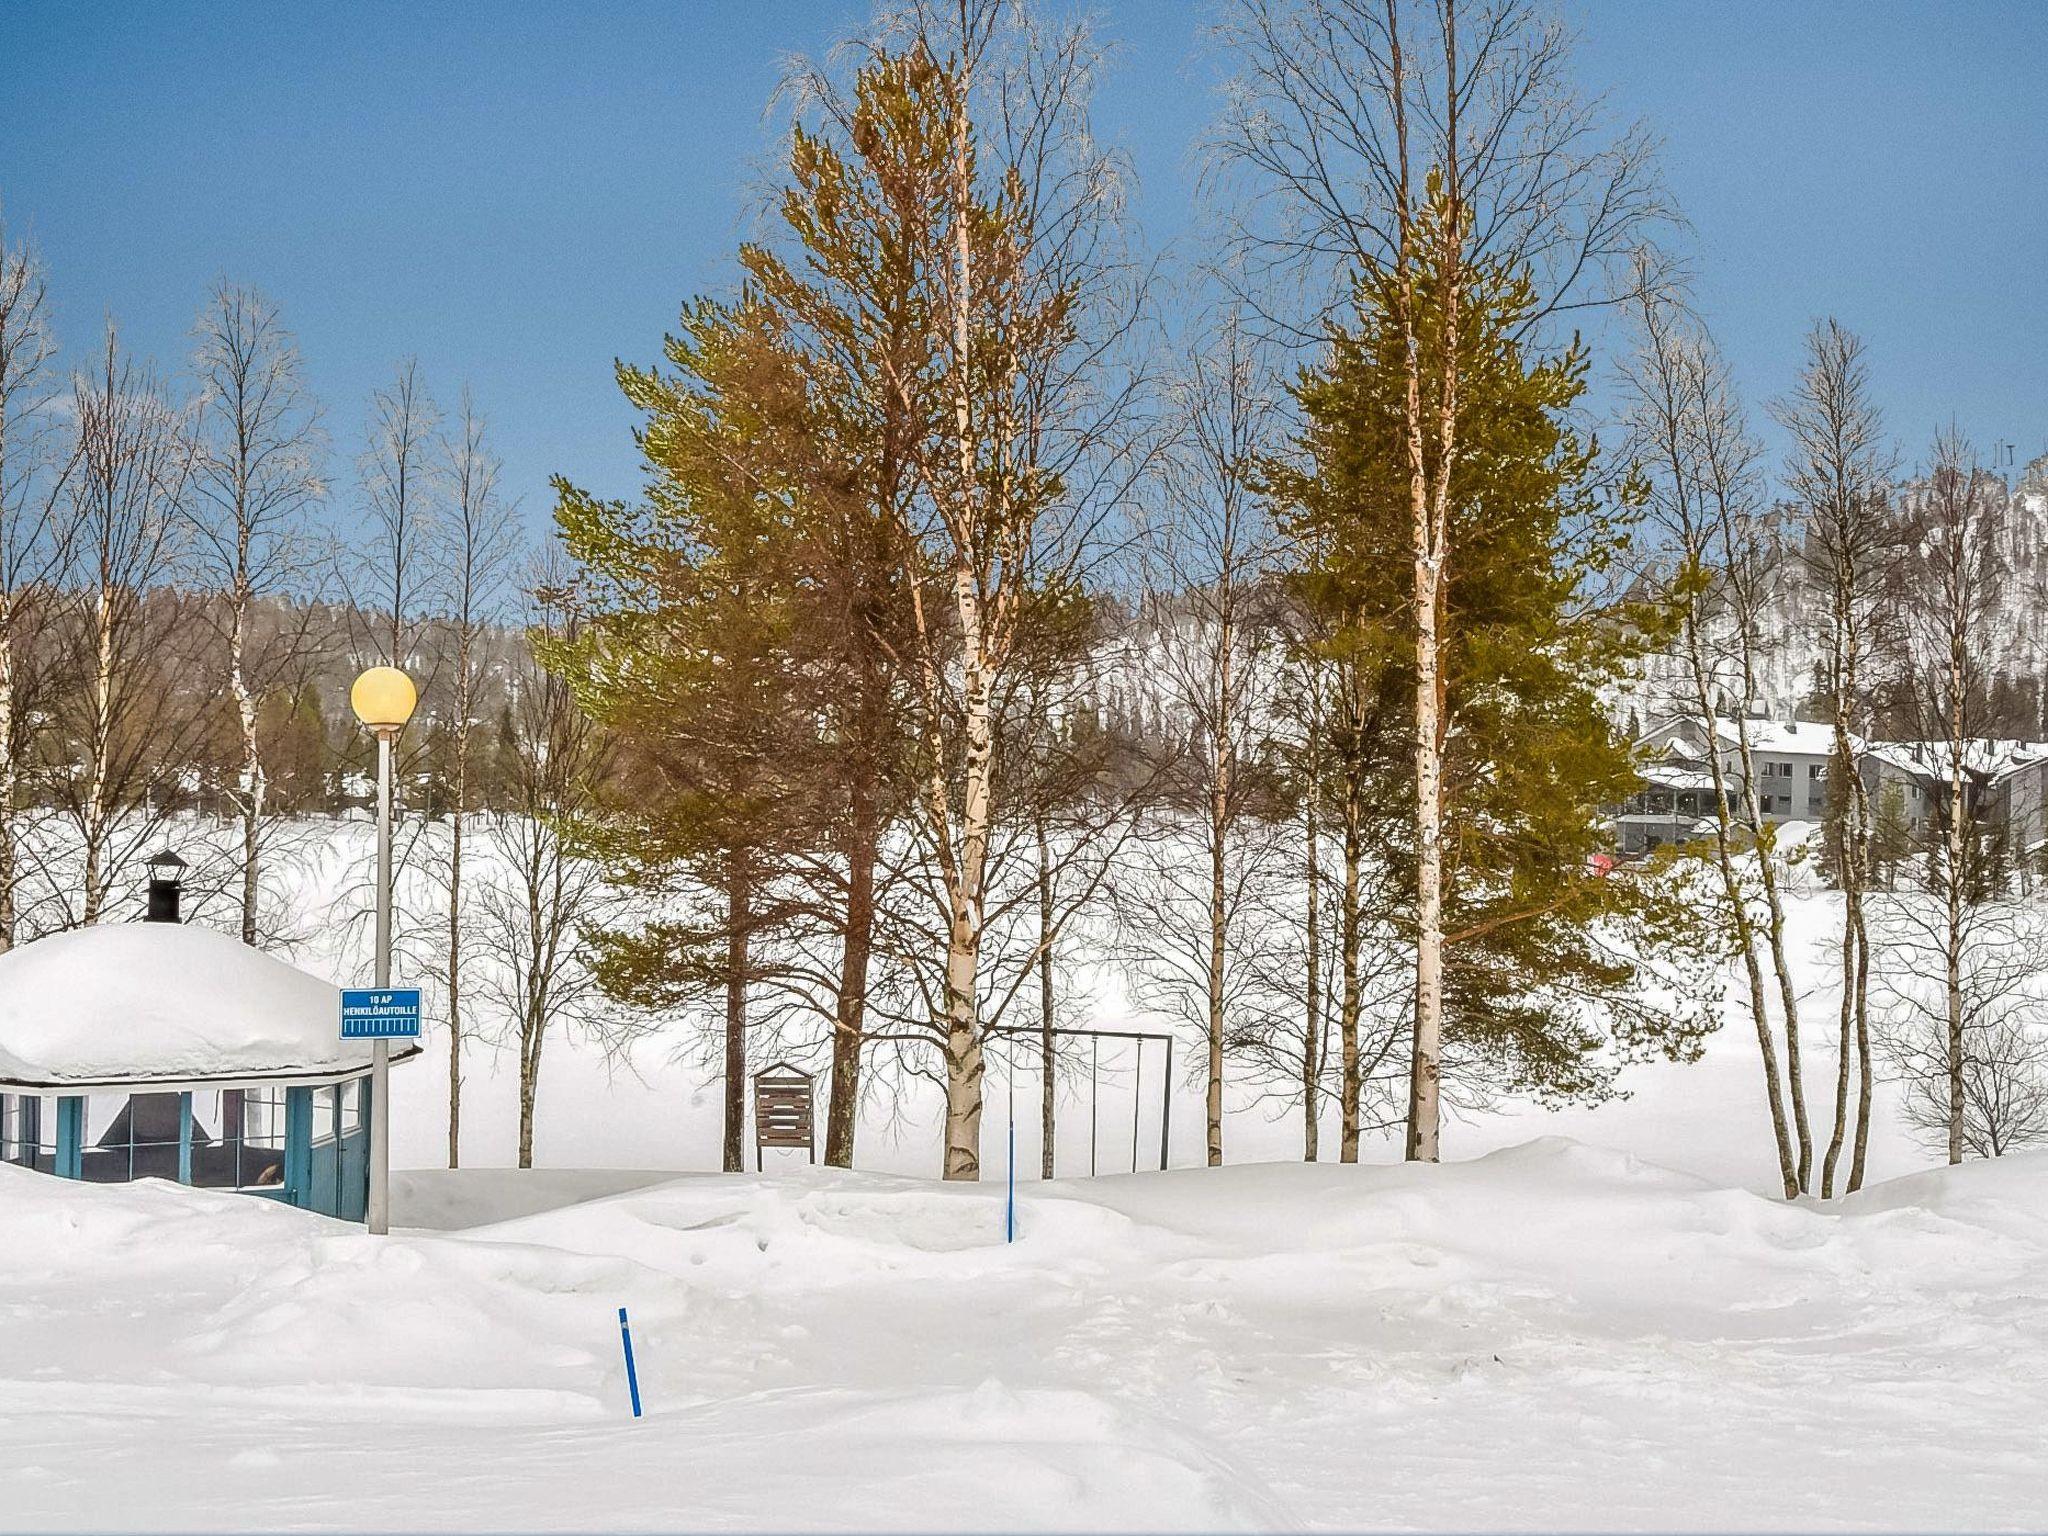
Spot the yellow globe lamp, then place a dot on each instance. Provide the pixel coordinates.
(383, 699)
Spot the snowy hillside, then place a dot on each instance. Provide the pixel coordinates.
(2013, 653)
(1551, 1337)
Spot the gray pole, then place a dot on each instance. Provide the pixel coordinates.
(377, 1211)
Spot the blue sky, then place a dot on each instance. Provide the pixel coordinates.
(519, 192)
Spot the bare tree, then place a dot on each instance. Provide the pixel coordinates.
(1424, 143)
(399, 472)
(121, 722)
(1840, 469)
(553, 762)
(1026, 272)
(1987, 973)
(255, 479)
(1950, 587)
(1327, 737)
(35, 466)
(1212, 557)
(1688, 436)
(474, 543)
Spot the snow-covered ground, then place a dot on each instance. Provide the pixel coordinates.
(1554, 1336)
(1593, 1319)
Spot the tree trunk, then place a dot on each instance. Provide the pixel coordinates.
(1312, 1036)
(533, 1032)
(1426, 1063)
(1952, 936)
(1219, 826)
(9, 774)
(738, 906)
(95, 819)
(1738, 906)
(1863, 1072)
(849, 1018)
(1048, 1058)
(1349, 922)
(965, 896)
(252, 782)
(455, 974)
(1430, 515)
(1844, 1057)
(1855, 878)
(1774, 935)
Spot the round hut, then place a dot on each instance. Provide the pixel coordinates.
(155, 1050)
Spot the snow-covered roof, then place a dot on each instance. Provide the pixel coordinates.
(1800, 737)
(1804, 738)
(1983, 756)
(124, 1004)
(1673, 776)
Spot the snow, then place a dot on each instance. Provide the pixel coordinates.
(1551, 1336)
(1599, 1318)
(1988, 756)
(160, 1002)
(1665, 776)
(1798, 737)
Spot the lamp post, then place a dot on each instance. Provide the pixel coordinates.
(383, 699)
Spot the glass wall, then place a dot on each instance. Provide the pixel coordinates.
(28, 1131)
(307, 1146)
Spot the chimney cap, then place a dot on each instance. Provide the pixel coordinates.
(166, 865)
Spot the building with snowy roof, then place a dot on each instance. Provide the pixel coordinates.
(1676, 803)
(2005, 783)
(156, 1050)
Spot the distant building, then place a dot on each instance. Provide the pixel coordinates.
(1676, 803)
(2005, 782)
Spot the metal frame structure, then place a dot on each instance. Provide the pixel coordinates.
(1008, 1032)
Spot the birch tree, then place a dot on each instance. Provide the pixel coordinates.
(400, 481)
(474, 545)
(255, 480)
(120, 722)
(35, 466)
(1950, 587)
(1840, 470)
(1688, 436)
(1981, 978)
(1212, 557)
(1025, 265)
(535, 922)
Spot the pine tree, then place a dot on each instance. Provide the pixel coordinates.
(1530, 755)
(687, 655)
(842, 283)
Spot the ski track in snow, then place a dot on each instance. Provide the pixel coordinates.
(1550, 1336)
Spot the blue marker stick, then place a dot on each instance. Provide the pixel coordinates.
(632, 1376)
(1010, 1215)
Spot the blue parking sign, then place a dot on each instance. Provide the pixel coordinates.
(380, 1013)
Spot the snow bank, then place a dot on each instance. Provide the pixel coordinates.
(161, 1002)
(1552, 1336)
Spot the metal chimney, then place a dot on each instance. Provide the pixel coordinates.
(166, 878)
